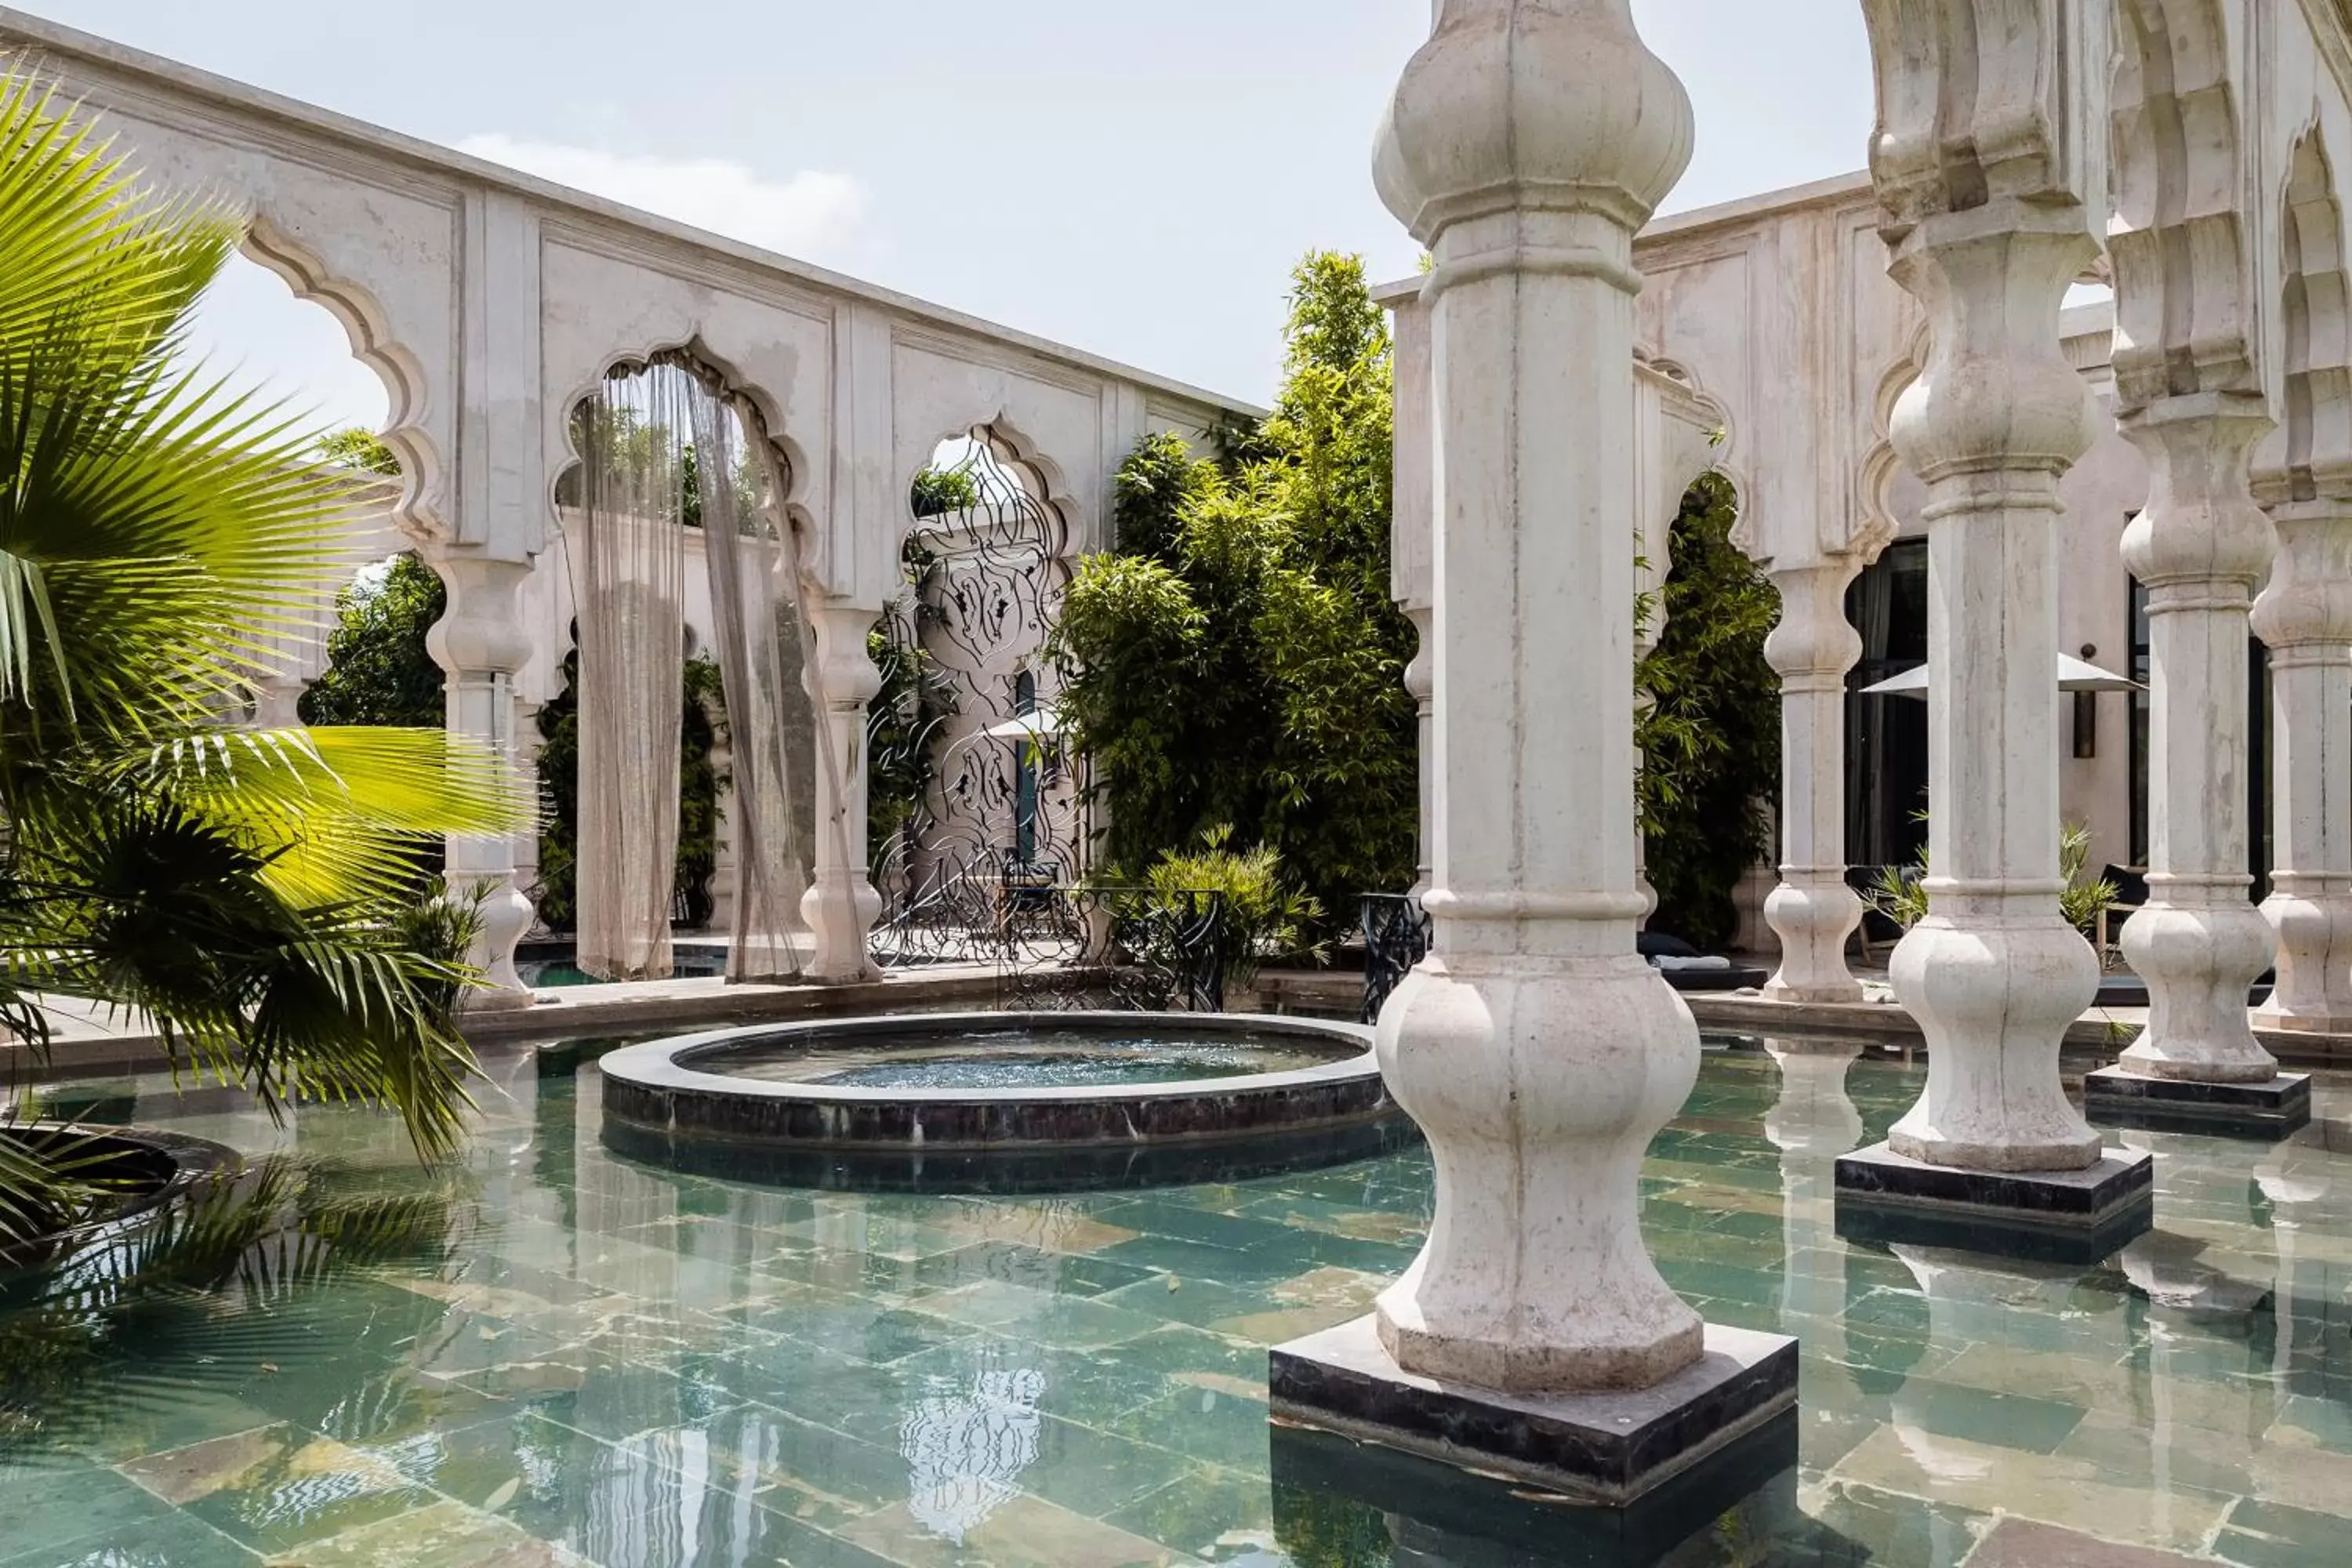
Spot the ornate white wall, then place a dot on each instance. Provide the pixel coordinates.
(489, 303)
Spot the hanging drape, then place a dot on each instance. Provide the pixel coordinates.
(791, 590)
(628, 555)
(756, 623)
(665, 449)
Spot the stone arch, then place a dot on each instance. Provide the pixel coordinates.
(1876, 526)
(742, 389)
(1699, 409)
(2313, 443)
(2186, 317)
(356, 311)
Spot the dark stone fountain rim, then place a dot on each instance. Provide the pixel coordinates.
(176, 1162)
(666, 1064)
(659, 1108)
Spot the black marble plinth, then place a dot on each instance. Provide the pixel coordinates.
(1327, 1488)
(2269, 1110)
(1601, 1447)
(2057, 1217)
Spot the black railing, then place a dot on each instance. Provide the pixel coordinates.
(1056, 947)
(1396, 937)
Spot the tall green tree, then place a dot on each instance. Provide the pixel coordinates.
(1710, 737)
(1237, 660)
(248, 891)
(355, 447)
(378, 670)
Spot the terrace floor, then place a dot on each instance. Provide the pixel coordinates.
(551, 1355)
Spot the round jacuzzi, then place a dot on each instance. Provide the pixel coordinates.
(996, 1102)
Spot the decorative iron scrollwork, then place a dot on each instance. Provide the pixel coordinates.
(1396, 937)
(975, 808)
(1138, 949)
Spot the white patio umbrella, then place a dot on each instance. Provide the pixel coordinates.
(1041, 729)
(1027, 727)
(2074, 674)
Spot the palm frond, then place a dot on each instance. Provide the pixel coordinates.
(169, 522)
(340, 811)
(255, 894)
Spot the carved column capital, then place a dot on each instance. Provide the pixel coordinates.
(1517, 110)
(1812, 646)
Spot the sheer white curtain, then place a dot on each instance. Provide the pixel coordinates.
(628, 561)
(662, 448)
(757, 620)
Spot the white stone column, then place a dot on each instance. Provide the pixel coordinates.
(723, 860)
(481, 641)
(1813, 909)
(2201, 548)
(1528, 141)
(1411, 532)
(1990, 163)
(1421, 684)
(277, 700)
(2305, 615)
(841, 905)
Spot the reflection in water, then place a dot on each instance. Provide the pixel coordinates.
(966, 1451)
(650, 1369)
(102, 1334)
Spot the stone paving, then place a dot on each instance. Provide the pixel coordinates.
(553, 1357)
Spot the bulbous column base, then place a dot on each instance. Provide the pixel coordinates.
(1812, 913)
(2313, 917)
(1813, 1114)
(2198, 963)
(1539, 1083)
(841, 906)
(1994, 1001)
(506, 916)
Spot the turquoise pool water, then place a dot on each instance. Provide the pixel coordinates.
(558, 973)
(550, 1356)
(1041, 1056)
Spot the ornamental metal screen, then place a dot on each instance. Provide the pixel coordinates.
(972, 807)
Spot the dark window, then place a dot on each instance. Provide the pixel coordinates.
(1886, 737)
(1024, 803)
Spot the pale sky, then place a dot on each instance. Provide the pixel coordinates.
(1132, 179)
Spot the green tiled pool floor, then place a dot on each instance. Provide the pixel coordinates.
(553, 1356)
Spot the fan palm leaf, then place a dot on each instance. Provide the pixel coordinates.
(342, 810)
(256, 894)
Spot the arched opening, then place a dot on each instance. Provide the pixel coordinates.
(971, 803)
(2315, 423)
(680, 782)
(254, 327)
(1708, 726)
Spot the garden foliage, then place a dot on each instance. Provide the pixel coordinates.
(1236, 662)
(252, 893)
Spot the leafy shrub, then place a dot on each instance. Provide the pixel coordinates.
(1901, 893)
(1264, 916)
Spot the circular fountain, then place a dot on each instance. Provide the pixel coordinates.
(999, 1101)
